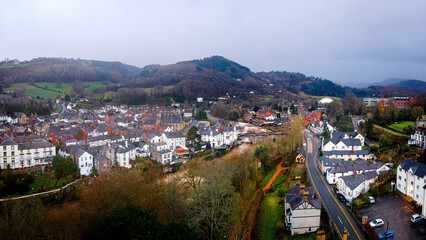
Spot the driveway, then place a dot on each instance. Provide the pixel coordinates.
(393, 209)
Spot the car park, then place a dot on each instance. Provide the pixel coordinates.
(416, 218)
(371, 199)
(377, 223)
(386, 234)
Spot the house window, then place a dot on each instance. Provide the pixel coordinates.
(399, 185)
(4, 160)
(417, 186)
(412, 183)
(29, 162)
(399, 177)
(417, 195)
(13, 153)
(5, 154)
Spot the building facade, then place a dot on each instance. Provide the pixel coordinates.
(411, 181)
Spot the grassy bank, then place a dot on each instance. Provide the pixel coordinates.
(400, 126)
(269, 214)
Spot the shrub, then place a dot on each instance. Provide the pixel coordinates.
(29, 179)
(374, 148)
(281, 192)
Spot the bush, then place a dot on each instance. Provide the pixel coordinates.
(281, 192)
(374, 148)
(29, 179)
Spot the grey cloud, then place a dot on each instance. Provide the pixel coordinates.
(343, 41)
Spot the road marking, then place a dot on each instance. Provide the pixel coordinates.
(326, 186)
(307, 162)
(340, 219)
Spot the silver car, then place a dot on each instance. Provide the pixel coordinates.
(377, 223)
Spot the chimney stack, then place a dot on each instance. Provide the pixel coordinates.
(302, 189)
(298, 179)
(354, 164)
(337, 165)
(305, 196)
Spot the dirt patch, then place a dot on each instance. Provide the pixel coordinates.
(299, 169)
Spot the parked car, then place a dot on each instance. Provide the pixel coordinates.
(377, 223)
(371, 199)
(341, 197)
(388, 234)
(416, 218)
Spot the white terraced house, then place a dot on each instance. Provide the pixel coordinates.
(345, 145)
(25, 154)
(354, 185)
(84, 162)
(334, 169)
(174, 140)
(411, 181)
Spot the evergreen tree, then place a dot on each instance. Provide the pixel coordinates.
(326, 131)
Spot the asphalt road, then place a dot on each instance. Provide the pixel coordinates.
(366, 140)
(336, 209)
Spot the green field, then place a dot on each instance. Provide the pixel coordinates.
(400, 126)
(269, 214)
(303, 94)
(64, 88)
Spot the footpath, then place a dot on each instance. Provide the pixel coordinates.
(279, 169)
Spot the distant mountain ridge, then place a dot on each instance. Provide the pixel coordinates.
(208, 77)
(400, 82)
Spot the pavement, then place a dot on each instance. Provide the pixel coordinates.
(394, 209)
(337, 211)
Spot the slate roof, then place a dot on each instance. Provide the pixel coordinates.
(174, 135)
(341, 135)
(353, 181)
(79, 153)
(347, 142)
(170, 118)
(348, 166)
(8, 141)
(418, 169)
(294, 197)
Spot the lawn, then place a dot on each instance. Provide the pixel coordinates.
(268, 177)
(310, 236)
(303, 94)
(278, 180)
(37, 184)
(400, 126)
(39, 181)
(269, 214)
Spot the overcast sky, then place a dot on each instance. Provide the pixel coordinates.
(344, 41)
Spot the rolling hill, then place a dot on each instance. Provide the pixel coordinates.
(208, 77)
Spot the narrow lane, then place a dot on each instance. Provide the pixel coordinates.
(340, 219)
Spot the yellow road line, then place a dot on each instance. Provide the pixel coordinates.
(307, 162)
(338, 230)
(333, 196)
